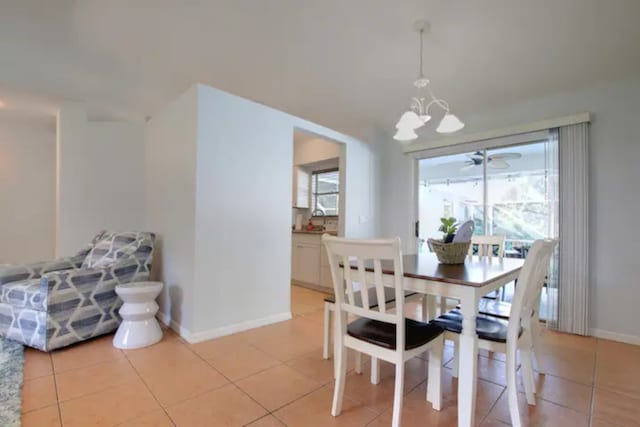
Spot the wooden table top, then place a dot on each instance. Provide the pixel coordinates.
(475, 271)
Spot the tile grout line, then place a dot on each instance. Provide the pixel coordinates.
(229, 380)
(90, 365)
(91, 393)
(148, 389)
(55, 386)
(504, 390)
(593, 382)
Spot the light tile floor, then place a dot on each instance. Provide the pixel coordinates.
(275, 376)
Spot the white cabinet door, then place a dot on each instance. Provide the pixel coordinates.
(295, 260)
(325, 278)
(306, 263)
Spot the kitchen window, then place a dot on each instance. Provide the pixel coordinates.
(325, 192)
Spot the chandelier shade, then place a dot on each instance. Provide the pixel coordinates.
(418, 114)
(405, 134)
(410, 120)
(449, 124)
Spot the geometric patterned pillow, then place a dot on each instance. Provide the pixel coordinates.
(111, 248)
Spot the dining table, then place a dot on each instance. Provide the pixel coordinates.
(467, 283)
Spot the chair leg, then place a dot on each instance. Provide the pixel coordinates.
(358, 367)
(512, 390)
(527, 376)
(456, 361)
(398, 392)
(537, 349)
(338, 392)
(326, 339)
(337, 339)
(434, 377)
(375, 370)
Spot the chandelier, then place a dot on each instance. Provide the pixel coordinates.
(418, 113)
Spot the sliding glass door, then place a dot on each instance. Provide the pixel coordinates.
(520, 195)
(449, 187)
(510, 191)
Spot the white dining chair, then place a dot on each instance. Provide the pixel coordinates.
(498, 307)
(517, 334)
(376, 331)
(486, 246)
(329, 307)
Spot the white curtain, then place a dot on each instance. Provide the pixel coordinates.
(552, 193)
(573, 268)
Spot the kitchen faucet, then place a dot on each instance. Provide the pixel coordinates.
(320, 212)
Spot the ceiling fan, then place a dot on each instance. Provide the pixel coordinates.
(494, 161)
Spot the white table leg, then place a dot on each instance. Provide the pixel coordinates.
(428, 307)
(468, 354)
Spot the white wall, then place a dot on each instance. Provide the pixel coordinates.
(313, 150)
(170, 171)
(614, 207)
(100, 181)
(243, 238)
(27, 191)
(397, 205)
(236, 274)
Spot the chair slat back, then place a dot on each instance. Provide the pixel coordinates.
(486, 244)
(530, 281)
(362, 269)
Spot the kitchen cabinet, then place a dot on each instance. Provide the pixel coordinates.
(309, 263)
(301, 180)
(325, 271)
(307, 267)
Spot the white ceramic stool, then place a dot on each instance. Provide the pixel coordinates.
(139, 327)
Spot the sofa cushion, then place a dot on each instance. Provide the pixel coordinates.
(111, 248)
(24, 294)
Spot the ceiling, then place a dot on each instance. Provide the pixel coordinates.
(348, 65)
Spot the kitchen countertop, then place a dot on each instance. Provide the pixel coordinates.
(303, 231)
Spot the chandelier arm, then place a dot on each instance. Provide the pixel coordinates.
(440, 102)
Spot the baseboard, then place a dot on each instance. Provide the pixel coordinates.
(313, 287)
(195, 337)
(614, 336)
(173, 325)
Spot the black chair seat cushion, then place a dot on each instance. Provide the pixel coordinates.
(487, 327)
(494, 308)
(389, 297)
(383, 334)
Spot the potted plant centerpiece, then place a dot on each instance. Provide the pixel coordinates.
(452, 248)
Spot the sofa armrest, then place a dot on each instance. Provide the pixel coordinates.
(14, 273)
(105, 277)
(84, 276)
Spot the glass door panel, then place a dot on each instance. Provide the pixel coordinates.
(449, 186)
(522, 200)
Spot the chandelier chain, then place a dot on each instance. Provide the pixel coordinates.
(421, 75)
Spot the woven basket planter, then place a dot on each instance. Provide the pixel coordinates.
(449, 253)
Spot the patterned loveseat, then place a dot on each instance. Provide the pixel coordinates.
(53, 304)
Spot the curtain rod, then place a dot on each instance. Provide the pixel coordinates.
(498, 133)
